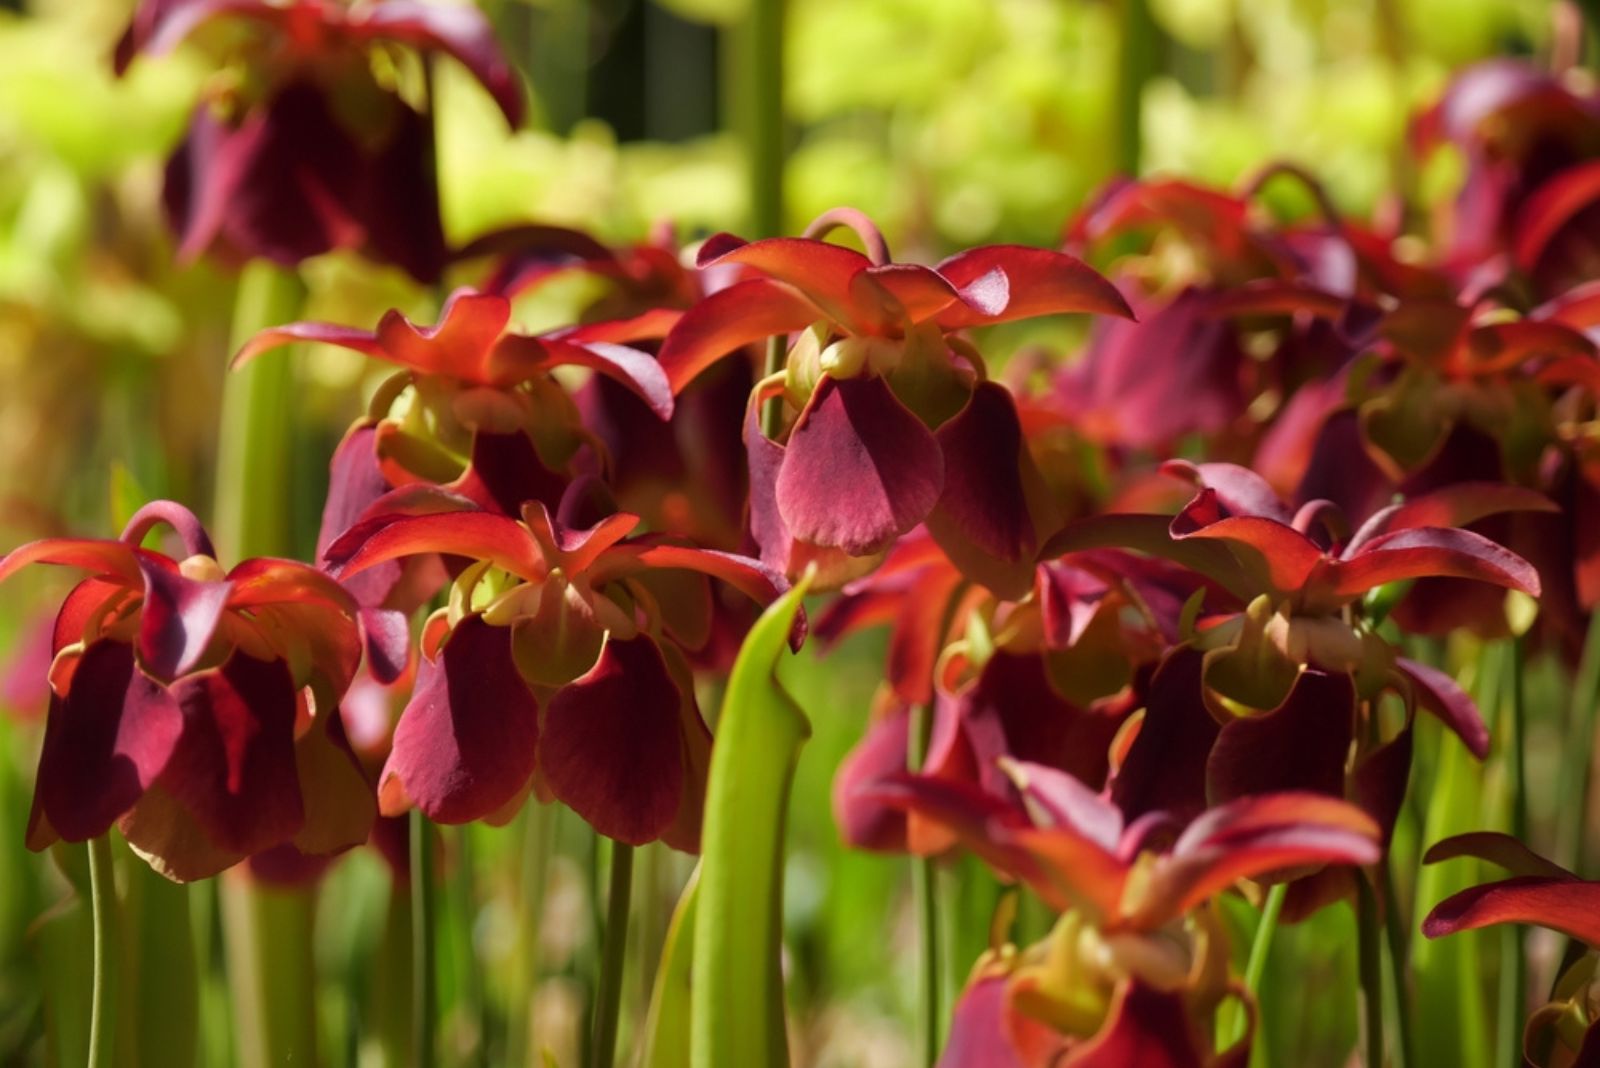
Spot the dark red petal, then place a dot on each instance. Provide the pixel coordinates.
(1438, 693)
(506, 472)
(476, 535)
(1035, 282)
(639, 372)
(177, 619)
(1571, 906)
(1497, 848)
(979, 1035)
(1300, 745)
(1280, 556)
(459, 30)
(919, 633)
(1012, 711)
(1152, 535)
(386, 639)
(1451, 506)
(1238, 489)
(866, 821)
(159, 25)
(859, 469)
(575, 551)
(339, 801)
(1165, 767)
(983, 510)
(919, 291)
(103, 558)
(1145, 1027)
(613, 748)
(750, 577)
(233, 769)
(105, 742)
(1430, 551)
(1552, 206)
(1255, 836)
(985, 824)
(466, 743)
(821, 270)
(752, 310)
(355, 481)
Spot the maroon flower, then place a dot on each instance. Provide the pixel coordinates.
(559, 667)
(881, 397)
(310, 152)
(197, 710)
(1138, 962)
(1542, 893)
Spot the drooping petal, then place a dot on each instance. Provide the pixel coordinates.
(339, 801)
(1255, 836)
(1238, 489)
(476, 535)
(1437, 692)
(1571, 906)
(1281, 558)
(459, 30)
(859, 469)
(1152, 535)
(1146, 1027)
(919, 292)
(103, 558)
(978, 1028)
(1424, 552)
(159, 25)
(750, 577)
(1300, 745)
(864, 820)
(982, 518)
(1497, 848)
(105, 742)
(506, 472)
(639, 372)
(233, 769)
(821, 270)
(1451, 506)
(1165, 767)
(1034, 281)
(177, 619)
(748, 311)
(612, 748)
(467, 740)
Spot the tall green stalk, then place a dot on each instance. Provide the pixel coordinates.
(272, 972)
(754, 108)
(103, 905)
(1514, 965)
(1370, 954)
(1576, 769)
(424, 976)
(737, 1008)
(608, 996)
(924, 888)
(1140, 61)
(1232, 1026)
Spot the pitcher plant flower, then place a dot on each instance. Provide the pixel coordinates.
(299, 145)
(196, 709)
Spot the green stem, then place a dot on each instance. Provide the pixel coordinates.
(608, 997)
(1514, 965)
(1394, 930)
(424, 978)
(1371, 968)
(250, 509)
(737, 1014)
(1234, 1019)
(1140, 61)
(1577, 770)
(925, 896)
(103, 904)
(271, 973)
(763, 112)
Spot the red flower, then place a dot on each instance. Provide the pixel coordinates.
(884, 399)
(1543, 893)
(198, 710)
(1122, 975)
(559, 666)
(316, 154)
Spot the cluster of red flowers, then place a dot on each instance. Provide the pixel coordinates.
(1149, 602)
